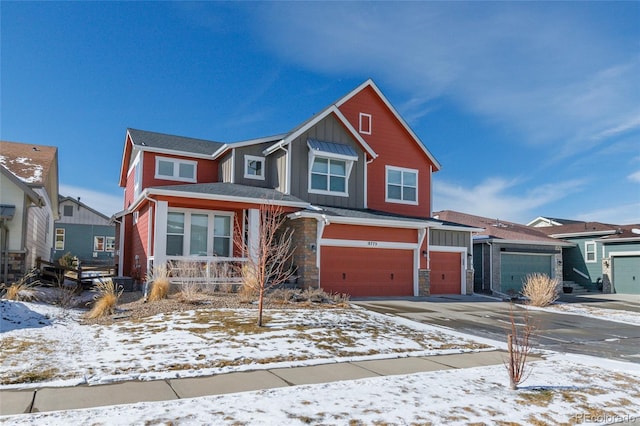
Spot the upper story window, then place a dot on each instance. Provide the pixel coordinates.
(590, 252)
(68, 210)
(365, 123)
(402, 185)
(175, 169)
(253, 167)
(330, 165)
(98, 243)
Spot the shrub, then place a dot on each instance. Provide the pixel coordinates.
(106, 299)
(158, 277)
(540, 289)
(190, 277)
(22, 290)
(68, 260)
(249, 287)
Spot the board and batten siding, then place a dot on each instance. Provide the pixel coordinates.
(226, 168)
(80, 215)
(255, 151)
(440, 237)
(329, 130)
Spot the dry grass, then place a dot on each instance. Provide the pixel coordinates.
(159, 289)
(540, 289)
(22, 290)
(189, 275)
(106, 299)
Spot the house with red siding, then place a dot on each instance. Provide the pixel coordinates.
(354, 180)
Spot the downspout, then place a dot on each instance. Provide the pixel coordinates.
(322, 223)
(5, 251)
(26, 250)
(155, 202)
(120, 246)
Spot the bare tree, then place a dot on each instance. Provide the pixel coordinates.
(519, 345)
(269, 256)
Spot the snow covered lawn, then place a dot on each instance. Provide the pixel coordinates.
(43, 345)
(563, 389)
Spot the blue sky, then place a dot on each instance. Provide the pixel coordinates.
(532, 108)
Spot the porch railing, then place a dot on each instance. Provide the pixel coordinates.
(204, 269)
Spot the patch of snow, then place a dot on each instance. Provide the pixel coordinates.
(624, 317)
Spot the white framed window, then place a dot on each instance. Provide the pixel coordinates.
(328, 176)
(253, 167)
(98, 243)
(110, 244)
(401, 185)
(365, 122)
(59, 239)
(199, 233)
(590, 251)
(176, 169)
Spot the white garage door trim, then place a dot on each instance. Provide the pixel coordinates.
(463, 265)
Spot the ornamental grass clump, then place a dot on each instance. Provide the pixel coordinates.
(22, 290)
(158, 277)
(540, 289)
(106, 299)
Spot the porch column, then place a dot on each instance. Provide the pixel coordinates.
(160, 232)
(253, 233)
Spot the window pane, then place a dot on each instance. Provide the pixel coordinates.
(174, 245)
(319, 182)
(98, 243)
(394, 176)
(320, 165)
(222, 226)
(221, 246)
(175, 223)
(198, 238)
(165, 168)
(338, 168)
(408, 194)
(187, 171)
(409, 178)
(337, 184)
(254, 168)
(394, 192)
(68, 210)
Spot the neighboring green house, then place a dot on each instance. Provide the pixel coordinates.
(83, 232)
(605, 258)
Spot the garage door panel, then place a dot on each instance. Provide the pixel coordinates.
(367, 271)
(626, 274)
(446, 270)
(516, 267)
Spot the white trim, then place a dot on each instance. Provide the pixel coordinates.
(582, 274)
(176, 169)
(582, 234)
(150, 229)
(312, 122)
(586, 252)
(253, 233)
(463, 262)
(333, 242)
(624, 253)
(233, 166)
(360, 129)
(371, 84)
(160, 240)
(247, 159)
(348, 165)
(211, 214)
(402, 170)
(417, 253)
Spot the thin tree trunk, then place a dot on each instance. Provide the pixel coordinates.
(260, 299)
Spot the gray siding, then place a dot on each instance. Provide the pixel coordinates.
(79, 215)
(225, 168)
(438, 237)
(329, 130)
(256, 151)
(277, 170)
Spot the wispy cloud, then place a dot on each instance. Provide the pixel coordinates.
(634, 177)
(499, 198)
(625, 214)
(542, 70)
(103, 202)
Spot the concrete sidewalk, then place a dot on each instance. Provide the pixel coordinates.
(66, 398)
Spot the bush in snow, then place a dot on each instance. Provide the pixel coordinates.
(540, 289)
(105, 300)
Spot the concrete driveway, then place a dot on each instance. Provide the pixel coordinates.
(488, 317)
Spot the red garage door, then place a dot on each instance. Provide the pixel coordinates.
(366, 271)
(445, 273)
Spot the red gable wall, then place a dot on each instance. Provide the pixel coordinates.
(395, 147)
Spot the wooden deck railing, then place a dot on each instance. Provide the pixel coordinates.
(57, 273)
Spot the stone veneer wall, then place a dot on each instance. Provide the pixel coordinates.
(304, 255)
(469, 286)
(424, 282)
(606, 275)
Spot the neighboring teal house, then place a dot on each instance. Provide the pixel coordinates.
(605, 258)
(83, 232)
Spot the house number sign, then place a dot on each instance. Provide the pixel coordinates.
(372, 243)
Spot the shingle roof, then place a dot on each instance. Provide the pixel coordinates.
(496, 228)
(172, 142)
(362, 214)
(28, 162)
(231, 190)
(578, 228)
